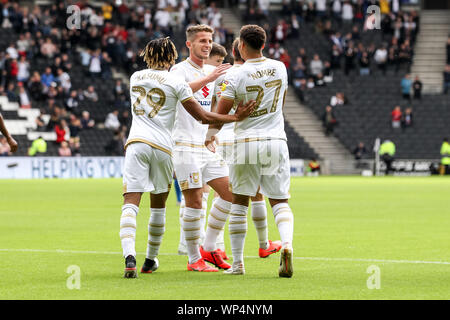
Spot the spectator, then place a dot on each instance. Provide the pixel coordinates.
(119, 89)
(64, 150)
(48, 48)
(72, 102)
(115, 146)
(23, 72)
(75, 127)
(63, 79)
(95, 63)
(40, 122)
(448, 50)
(396, 117)
(310, 83)
(125, 119)
(360, 151)
(86, 120)
(61, 129)
(316, 65)
(337, 10)
(406, 85)
(338, 99)
(349, 57)
(90, 94)
(417, 87)
(37, 146)
(407, 118)
(446, 78)
(47, 77)
(112, 120)
(329, 120)
(381, 58)
(11, 93)
(24, 100)
(347, 12)
(285, 58)
(12, 51)
(299, 72)
(35, 87)
(364, 64)
(5, 149)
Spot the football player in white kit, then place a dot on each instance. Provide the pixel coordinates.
(260, 152)
(215, 59)
(194, 164)
(148, 167)
(224, 140)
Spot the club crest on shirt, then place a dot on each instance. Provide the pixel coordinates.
(194, 177)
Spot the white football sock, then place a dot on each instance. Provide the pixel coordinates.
(238, 230)
(182, 206)
(259, 217)
(191, 227)
(128, 229)
(156, 228)
(203, 216)
(285, 223)
(216, 221)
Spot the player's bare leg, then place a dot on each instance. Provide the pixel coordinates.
(191, 228)
(216, 221)
(156, 229)
(284, 220)
(259, 216)
(127, 232)
(238, 231)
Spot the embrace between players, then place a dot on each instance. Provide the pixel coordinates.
(247, 158)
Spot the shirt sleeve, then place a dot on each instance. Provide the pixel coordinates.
(184, 91)
(228, 87)
(178, 71)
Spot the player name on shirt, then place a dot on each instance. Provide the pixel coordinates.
(263, 73)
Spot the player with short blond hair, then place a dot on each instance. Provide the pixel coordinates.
(195, 165)
(155, 94)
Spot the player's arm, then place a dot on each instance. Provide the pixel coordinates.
(213, 104)
(198, 113)
(12, 143)
(201, 82)
(223, 107)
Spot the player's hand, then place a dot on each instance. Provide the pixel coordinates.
(12, 144)
(219, 71)
(244, 110)
(211, 144)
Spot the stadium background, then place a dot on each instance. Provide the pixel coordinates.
(102, 52)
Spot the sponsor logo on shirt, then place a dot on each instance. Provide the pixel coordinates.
(205, 91)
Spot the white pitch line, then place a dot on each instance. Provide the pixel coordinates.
(174, 254)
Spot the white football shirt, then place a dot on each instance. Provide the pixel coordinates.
(226, 134)
(264, 80)
(189, 132)
(154, 98)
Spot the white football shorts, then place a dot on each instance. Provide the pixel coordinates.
(196, 168)
(262, 163)
(147, 169)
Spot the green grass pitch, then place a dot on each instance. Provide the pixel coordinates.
(343, 225)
